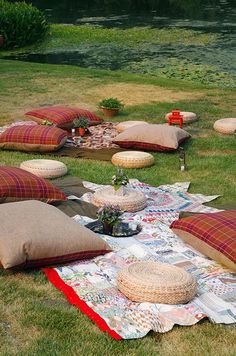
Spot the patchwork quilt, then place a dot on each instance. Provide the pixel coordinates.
(91, 284)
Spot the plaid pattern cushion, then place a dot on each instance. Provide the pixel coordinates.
(34, 135)
(62, 115)
(218, 230)
(17, 184)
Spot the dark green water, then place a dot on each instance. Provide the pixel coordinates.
(217, 16)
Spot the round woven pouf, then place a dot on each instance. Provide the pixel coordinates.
(132, 200)
(156, 283)
(45, 168)
(132, 159)
(225, 126)
(122, 126)
(188, 116)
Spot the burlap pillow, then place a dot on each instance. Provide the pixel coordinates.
(62, 116)
(152, 137)
(35, 138)
(36, 234)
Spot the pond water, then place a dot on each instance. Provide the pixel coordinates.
(216, 16)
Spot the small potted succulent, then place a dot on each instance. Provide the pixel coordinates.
(109, 215)
(80, 125)
(120, 181)
(110, 106)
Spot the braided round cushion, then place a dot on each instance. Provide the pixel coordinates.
(156, 283)
(188, 116)
(133, 200)
(122, 126)
(45, 168)
(225, 126)
(132, 159)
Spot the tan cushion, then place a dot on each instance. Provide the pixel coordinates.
(35, 234)
(225, 126)
(132, 159)
(45, 168)
(122, 126)
(152, 137)
(188, 116)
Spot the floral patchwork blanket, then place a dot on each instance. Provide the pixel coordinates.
(91, 284)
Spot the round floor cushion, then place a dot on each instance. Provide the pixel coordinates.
(122, 126)
(188, 116)
(133, 200)
(156, 283)
(45, 168)
(132, 159)
(225, 126)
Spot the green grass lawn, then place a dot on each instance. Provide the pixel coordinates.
(36, 319)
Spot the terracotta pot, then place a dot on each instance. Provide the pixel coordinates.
(80, 131)
(107, 228)
(1, 40)
(109, 112)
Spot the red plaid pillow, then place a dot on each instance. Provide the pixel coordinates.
(33, 138)
(17, 184)
(62, 116)
(213, 234)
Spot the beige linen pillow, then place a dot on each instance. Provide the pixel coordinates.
(35, 234)
(152, 137)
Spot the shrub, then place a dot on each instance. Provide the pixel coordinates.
(21, 24)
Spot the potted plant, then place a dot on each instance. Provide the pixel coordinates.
(109, 215)
(110, 106)
(80, 125)
(120, 181)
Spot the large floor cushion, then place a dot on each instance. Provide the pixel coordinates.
(35, 138)
(17, 184)
(45, 168)
(152, 137)
(214, 235)
(188, 116)
(62, 116)
(36, 234)
(156, 283)
(225, 126)
(122, 126)
(132, 159)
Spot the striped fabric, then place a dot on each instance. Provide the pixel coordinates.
(17, 184)
(218, 230)
(146, 146)
(34, 135)
(61, 115)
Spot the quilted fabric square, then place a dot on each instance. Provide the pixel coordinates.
(17, 184)
(152, 137)
(62, 116)
(214, 235)
(33, 138)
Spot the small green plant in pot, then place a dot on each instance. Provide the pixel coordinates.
(110, 106)
(120, 181)
(109, 215)
(81, 124)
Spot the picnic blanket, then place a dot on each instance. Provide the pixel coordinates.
(91, 284)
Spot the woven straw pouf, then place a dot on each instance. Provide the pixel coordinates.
(156, 283)
(132, 159)
(133, 200)
(45, 168)
(225, 126)
(188, 116)
(122, 126)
